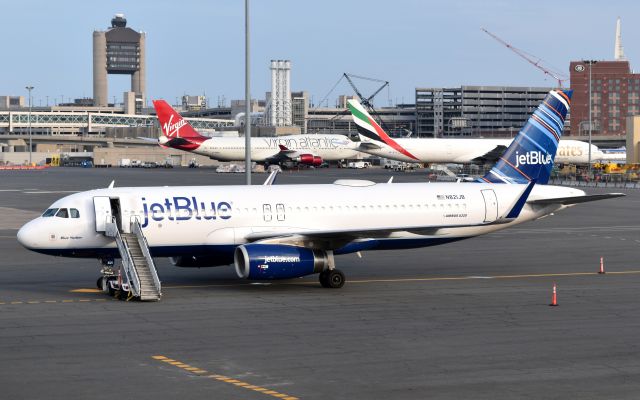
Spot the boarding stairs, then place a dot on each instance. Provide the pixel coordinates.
(139, 269)
(444, 171)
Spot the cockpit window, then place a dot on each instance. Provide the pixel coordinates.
(50, 212)
(74, 213)
(62, 213)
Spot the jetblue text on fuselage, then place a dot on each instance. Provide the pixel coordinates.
(532, 157)
(184, 208)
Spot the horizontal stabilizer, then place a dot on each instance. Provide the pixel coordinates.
(576, 199)
(519, 204)
(491, 156)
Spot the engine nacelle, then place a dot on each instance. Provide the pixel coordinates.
(273, 261)
(309, 159)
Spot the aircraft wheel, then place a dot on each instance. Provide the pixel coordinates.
(99, 282)
(335, 279)
(324, 279)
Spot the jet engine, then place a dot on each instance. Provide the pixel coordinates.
(272, 261)
(309, 159)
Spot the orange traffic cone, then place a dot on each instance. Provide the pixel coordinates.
(554, 297)
(601, 266)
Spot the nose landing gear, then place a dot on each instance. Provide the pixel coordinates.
(110, 281)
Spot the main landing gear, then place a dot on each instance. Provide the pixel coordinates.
(332, 278)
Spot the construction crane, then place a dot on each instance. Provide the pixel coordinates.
(365, 101)
(531, 59)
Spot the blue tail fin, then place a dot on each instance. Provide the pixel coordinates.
(530, 155)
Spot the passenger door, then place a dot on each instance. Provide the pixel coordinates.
(490, 205)
(102, 207)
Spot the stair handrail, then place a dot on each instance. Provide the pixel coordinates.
(136, 229)
(127, 263)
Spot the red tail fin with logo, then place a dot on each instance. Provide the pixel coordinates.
(172, 124)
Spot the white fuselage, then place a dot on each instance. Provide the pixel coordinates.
(467, 150)
(213, 220)
(328, 147)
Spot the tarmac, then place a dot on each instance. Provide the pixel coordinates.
(465, 320)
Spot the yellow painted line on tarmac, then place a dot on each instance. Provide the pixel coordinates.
(86, 291)
(223, 378)
(25, 302)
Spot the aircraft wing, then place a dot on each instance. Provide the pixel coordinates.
(287, 154)
(575, 199)
(334, 239)
(492, 155)
(368, 146)
(284, 154)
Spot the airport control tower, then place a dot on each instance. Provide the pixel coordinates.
(118, 50)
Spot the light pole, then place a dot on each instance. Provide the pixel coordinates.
(590, 63)
(247, 98)
(30, 88)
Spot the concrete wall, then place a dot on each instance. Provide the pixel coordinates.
(114, 156)
(22, 158)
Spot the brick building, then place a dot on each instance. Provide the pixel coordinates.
(615, 94)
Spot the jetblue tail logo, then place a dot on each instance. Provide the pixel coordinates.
(532, 158)
(530, 155)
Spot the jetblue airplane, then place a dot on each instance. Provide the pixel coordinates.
(375, 141)
(177, 133)
(288, 231)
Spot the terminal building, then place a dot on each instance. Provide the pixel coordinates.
(479, 111)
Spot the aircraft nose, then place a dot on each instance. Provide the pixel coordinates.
(26, 235)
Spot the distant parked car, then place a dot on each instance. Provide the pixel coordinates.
(359, 164)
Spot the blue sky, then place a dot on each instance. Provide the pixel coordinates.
(197, 47)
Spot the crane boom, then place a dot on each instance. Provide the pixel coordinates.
(530, 59)
(366, 101)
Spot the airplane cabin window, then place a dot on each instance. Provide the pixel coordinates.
(50, 212)
(74, 213)
(62, 213)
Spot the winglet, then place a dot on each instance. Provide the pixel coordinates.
(519, 204)
(271, 179)
(283, 147)
(111, 184)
